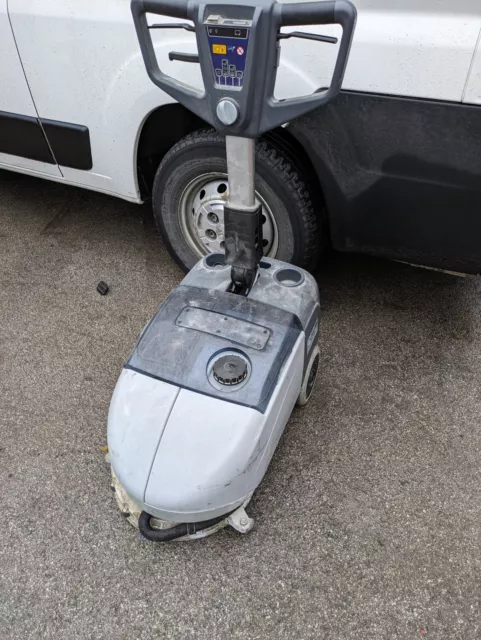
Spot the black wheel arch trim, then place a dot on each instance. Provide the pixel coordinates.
(401, 177)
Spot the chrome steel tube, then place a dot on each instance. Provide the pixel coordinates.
(241, 171)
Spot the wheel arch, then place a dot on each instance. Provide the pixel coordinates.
(155, 139)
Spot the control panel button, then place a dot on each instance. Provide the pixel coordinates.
(219, 49)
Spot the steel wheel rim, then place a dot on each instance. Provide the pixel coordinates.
(201, 215)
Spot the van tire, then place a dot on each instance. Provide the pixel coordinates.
(279, 183)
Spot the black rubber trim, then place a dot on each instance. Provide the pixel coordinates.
(23, 136)
(178, 530)
(401, 176)
(70, 143)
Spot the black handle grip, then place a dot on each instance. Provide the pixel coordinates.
(173, 25)
(299, 13)
(184, 57)
(172, 8)
(259, 110)
(194, 100)
(334, 11)
(341, 12)
(307, 36)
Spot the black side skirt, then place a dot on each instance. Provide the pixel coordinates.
(23, 136)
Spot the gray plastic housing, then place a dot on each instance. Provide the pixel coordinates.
(301, 300)
(200, 320)
(196, 325)
(184, 450)
(258, 110)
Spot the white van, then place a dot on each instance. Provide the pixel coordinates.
(391, 168)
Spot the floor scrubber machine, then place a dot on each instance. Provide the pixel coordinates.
(202, 401)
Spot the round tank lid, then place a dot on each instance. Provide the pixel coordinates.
(230, 370)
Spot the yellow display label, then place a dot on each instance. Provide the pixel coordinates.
(219, 48)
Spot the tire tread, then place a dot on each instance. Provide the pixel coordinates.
(284, 168)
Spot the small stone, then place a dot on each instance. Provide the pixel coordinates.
(103, 288)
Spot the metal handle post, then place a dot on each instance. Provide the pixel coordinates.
(241, 171)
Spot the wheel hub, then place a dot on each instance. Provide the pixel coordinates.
(209, 222)
(202, 216)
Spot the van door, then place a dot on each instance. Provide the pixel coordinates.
(23, 146)
(472, 90)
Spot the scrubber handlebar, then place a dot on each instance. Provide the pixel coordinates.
(239, 54)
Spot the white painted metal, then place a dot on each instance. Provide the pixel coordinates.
(472, 91)
(83, 64)
(419, 48)
(15, 96)
(14, 93)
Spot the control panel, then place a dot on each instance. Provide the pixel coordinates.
(228, 43)
(238, 52)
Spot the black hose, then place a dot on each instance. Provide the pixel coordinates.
(177, 531)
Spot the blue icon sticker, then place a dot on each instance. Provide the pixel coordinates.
(228, 67)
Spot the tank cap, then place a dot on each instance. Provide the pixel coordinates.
(230, 370)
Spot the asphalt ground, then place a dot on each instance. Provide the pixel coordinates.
(368, 521)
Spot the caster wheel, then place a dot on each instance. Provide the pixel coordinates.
(309, 378)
